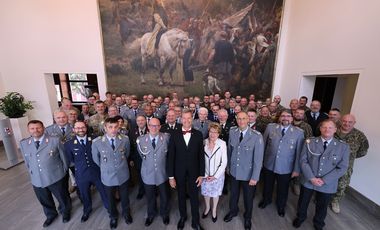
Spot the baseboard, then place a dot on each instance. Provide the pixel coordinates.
(371, 206)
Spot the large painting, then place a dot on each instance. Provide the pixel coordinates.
(193, 47)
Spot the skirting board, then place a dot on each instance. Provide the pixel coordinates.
(368, 204)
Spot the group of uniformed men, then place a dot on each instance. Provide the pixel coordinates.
(162, 138)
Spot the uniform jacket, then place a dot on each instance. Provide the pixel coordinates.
(329, 165)
(282, 152)
(197, 124)
(245, 159)
(153, 167)
(133, 135)
(166, 129)
(315, 123)
(113, 163)
(55, 130)
(46, 165)
(81, 156)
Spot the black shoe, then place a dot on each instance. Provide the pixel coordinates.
(85, 217)
(140, 195)
(66, 218)
(148, 221)
(228, 217)
(281, 212)
(263, 204)
(197, 226)
(297, 223)
(205, 215)
(166, 220)
(113, 223)
(128, 219)
(181, 223)
(247, 224)
(48, 221)
(214, 219)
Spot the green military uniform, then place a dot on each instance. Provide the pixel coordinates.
(95, 122)
(262, 123)
(308, 132)
(358, 143)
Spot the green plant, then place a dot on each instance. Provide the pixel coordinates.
(13, 105)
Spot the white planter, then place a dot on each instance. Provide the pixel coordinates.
(19, 128)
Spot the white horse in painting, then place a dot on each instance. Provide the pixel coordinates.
(171, 49)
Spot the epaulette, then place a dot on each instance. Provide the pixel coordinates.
(25, 139)
(256, 132)
(96, 139)
(308, 140)
(296, 127)
(234, 128)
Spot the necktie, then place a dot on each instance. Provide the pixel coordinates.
(315, 116)
(325, 145)
(202, 124)
(283, 132)
(119, 109)
(172, 127)
(113, 144)
(63, 131)
(141, 133)
(37, 143)
(135, 111)
(154, 143)
(82, 142)
(241, 137)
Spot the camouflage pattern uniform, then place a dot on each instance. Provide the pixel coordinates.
(358, 148)
(262, 122)
(308, 132)
(95, 123)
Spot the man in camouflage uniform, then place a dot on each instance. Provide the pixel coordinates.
(95, 122)
(358, 148)
(263, 119)
(299, 121)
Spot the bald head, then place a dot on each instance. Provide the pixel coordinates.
(348, 123)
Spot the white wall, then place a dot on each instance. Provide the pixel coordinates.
(336, 37)
(43, 36)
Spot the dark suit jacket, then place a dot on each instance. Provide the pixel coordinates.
(133, 135)
(315, 123)
(165, 128)
(224, 134)
(81, 156)
(184, 159)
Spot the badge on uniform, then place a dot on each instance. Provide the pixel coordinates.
(105, 159)
(75, 142)
(51, 153)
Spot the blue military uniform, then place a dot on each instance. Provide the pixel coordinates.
(47, 167)
(87, 173)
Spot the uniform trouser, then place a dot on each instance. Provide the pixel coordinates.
(282, 180)
(343, 183)
(124, 198)
(66, 183)
(322, 202)
(248, 193)
(189, 182)
(85, 191)
(138, 163)
(44, 196)
(150, 191)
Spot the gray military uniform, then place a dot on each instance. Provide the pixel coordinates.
(329, 164)
(153, 167)
(282, 152)
(56, 131)
(245, 158)
(197, 124)
(113, 163)
(46, 165)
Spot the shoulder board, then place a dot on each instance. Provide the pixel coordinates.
(234, 128)
(308, 140)
(256, 132)
(25, 139)
(342, 141)
(96, 139)
(297, 128)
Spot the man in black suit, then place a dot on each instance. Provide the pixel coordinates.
(186, 167)
(315, 117)
(171, 123)
(139, 130)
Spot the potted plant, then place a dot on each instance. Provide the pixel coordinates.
(14, 106)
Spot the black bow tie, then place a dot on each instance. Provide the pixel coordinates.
(186, 131)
